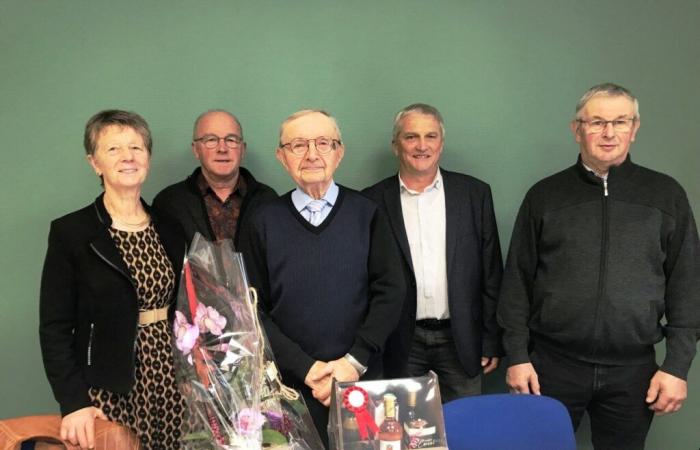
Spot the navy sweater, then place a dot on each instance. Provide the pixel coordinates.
(327, 290)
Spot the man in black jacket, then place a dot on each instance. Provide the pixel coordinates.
(220, 196)
(600, 253)
(445, 226)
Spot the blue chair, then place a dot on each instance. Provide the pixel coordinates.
(508, 422)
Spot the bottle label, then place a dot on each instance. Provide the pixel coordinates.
(389, 445)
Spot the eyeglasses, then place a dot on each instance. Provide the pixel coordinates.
(211, 141)
(299, 146)
(598, 125)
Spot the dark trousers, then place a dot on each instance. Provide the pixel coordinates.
(613, 396)
(435, 350)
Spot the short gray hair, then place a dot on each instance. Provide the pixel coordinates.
(119, 118)
(205, 113)
(610, 90)
(306, 112)
(421, 108)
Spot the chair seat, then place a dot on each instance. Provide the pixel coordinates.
(508, 421)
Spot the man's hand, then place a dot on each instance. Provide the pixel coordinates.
(78, 427)
(319, 379)
(666, 393)
(343, 370)
(522, 379)
(489, 363)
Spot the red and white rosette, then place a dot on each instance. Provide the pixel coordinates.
(355, 400)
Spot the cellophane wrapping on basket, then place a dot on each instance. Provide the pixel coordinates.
(224, 366)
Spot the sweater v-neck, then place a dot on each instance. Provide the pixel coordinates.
(326, 222)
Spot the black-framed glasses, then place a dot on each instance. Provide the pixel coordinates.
(299, 146)
(210, 141)
(621, 125)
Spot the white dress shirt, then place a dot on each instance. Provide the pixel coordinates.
(424, 219)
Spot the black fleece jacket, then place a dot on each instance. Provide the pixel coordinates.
(594, 266)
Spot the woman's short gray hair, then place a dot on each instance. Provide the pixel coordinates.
(120, 118)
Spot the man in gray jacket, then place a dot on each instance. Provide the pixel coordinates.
(600, 253)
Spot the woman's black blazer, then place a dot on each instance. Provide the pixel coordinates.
(88, 307)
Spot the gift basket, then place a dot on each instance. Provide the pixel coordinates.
(223, 364)
(396, 414)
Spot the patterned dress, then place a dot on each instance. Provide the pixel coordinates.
(154, 408)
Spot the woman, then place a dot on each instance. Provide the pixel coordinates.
(108, 284)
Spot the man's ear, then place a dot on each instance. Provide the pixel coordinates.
(575, 125)
(635, 128)
(394, 148)
(279, 154)
(341, 152)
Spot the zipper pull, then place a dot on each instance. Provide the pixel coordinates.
(605, 187)
(89, 349)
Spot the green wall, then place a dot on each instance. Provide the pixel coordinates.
(505, 74)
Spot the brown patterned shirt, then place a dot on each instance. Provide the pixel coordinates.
(223, 216)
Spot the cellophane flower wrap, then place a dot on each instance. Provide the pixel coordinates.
(224, 366)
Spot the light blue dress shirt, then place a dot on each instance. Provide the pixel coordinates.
(300, 199)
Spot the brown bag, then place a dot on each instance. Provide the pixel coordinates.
(46, 432)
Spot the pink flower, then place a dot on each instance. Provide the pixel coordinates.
(209, 319)
(186, 334)
(248, 422)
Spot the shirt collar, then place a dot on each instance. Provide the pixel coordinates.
(435, 184)
(301, 198)
(204, 188)
(602, 177)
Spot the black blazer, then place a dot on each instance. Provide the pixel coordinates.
(474, 270)
(88, 306)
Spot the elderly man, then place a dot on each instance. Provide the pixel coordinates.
(325, 264)
(600, 253)
(220, 196)
(445, 226)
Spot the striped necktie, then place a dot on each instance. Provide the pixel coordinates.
(314, 207)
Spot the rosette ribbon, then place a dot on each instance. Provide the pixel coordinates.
(355, 400)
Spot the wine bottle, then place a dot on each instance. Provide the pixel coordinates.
(390, 432)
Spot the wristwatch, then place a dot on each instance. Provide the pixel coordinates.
(355, 364)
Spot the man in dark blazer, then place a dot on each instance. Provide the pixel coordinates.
(445, 226)
(220, 196)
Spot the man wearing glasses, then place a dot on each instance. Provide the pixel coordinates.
(600, 253)
(220, 196)
(325, 265)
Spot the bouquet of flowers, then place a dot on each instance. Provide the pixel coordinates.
(223, 365)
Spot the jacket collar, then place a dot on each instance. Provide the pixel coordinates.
(104, 217)
(453, 210)
(102, 243)
(615, 173)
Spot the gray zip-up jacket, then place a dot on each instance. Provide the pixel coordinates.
(595, 265)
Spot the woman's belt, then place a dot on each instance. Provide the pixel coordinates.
(152, 316)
